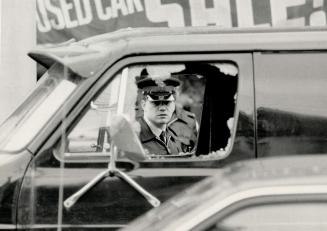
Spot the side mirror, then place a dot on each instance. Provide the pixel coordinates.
(125, 139)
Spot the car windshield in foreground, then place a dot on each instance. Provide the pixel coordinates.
(51, 92)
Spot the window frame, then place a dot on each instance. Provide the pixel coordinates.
(107, 76)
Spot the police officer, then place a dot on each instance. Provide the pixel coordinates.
(158, 106)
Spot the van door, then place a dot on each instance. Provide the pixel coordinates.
(216, 107)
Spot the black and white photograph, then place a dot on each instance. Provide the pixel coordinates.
(163, 115)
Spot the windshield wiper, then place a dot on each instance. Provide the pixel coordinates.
(112, 171)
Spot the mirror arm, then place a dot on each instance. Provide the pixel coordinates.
(150, 198)
(70, 201)
(111, 171)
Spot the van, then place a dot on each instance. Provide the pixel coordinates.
(70, 155)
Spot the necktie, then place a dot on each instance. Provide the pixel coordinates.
(162, 137)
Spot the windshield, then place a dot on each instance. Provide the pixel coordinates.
(54, 88)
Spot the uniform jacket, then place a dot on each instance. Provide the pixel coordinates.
(154, 145)
(183, 123)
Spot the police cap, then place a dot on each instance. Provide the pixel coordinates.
(158, 88)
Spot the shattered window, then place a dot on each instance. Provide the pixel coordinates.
(183, 110)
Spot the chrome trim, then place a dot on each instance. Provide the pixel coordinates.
(55, 226)
(188, 224)
(7, 227)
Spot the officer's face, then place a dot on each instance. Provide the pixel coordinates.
(158, 112)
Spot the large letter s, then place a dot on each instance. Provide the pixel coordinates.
(171, 13)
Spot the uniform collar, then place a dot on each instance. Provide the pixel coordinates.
(146, 133)
(156, 131)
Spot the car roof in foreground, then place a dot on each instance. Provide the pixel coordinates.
(259, 177)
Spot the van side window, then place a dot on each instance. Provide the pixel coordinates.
(192, 105)
(291, 103)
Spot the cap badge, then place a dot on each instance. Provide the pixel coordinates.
(160, 82)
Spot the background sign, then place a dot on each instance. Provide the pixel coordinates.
(61, 20)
